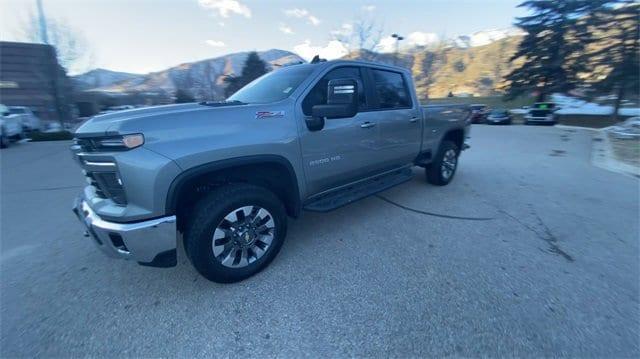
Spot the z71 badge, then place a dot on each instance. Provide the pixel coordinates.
(269, 114)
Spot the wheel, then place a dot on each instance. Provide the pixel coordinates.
(441, 171)
(235, 232)
(4, 140)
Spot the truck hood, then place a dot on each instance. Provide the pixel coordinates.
(112, 123)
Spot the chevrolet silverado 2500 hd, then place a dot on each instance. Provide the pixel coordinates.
(227, 174)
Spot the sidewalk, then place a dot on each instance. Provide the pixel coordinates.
(622, 156)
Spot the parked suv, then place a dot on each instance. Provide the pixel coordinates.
(227, 174)
(541, 112)
(479, 113)
(30, 122)
(10, 127)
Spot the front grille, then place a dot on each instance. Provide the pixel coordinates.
(107, 185)
(540, 113)
(91, 180)
(86, 145)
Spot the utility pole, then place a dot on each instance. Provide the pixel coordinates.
(398, 39)
(42, 23)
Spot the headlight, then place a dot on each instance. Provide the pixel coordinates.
(120, 142)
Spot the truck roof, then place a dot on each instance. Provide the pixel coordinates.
(357, 63)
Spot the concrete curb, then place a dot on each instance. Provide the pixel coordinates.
(602, 156)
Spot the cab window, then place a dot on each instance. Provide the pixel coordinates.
(318, 95)
(391, 89)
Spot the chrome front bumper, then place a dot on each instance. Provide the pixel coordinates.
(151, 242)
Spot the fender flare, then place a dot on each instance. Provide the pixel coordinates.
(177, 184)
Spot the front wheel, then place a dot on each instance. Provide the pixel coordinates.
(441, 171)
(235, 232)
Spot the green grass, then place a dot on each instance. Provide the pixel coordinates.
(491, 101)
(50, 136)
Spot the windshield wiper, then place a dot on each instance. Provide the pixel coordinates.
(223, 103)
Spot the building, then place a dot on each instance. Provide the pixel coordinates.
(31, 76)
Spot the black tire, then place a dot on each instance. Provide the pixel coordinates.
(4, 140)
(434, 171)
(209, 214)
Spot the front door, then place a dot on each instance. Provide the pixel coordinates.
(344, 149)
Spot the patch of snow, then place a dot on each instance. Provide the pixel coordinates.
(573, 106)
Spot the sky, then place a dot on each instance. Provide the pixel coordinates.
(142, 36)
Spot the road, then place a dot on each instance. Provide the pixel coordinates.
(549, 267)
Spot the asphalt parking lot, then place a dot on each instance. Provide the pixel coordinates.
(552, 269)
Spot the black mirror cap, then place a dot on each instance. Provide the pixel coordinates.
(314, 123)
(334, 111)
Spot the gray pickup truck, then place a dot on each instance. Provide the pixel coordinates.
(227, 175)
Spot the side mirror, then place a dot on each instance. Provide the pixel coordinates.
(342, 102)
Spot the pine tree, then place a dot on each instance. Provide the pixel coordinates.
(182, 96)
(549, 51)
(614, 49)
(253, 68)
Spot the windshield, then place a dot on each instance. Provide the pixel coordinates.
(498, 112)
(274, 86)
(16, 110)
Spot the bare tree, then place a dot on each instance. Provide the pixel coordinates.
(72, 49)
(361, 35)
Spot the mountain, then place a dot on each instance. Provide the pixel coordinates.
(203, 79)
(473, 64)
(101, 77)
(476, 70)
(485, 37)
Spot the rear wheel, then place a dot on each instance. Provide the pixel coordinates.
(235, 232)
(4, 140)
(441, 171)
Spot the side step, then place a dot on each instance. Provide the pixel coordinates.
(359, 190)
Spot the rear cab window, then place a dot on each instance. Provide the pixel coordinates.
(391, 90)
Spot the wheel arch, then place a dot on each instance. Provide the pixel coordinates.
(271, 171)
(456, 136)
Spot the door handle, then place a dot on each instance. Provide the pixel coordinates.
(367, 124)
(413, 119)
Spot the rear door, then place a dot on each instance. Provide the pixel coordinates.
(398, 116)
(344, 150)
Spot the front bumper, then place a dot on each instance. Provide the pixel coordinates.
(498, 119)
(540, 119)
(151, 242)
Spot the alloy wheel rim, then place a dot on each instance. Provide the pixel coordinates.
(449, 163)
(243, 236)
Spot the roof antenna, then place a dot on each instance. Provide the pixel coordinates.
(316, 59)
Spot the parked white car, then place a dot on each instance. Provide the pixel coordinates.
(30, 122)
(10, 127)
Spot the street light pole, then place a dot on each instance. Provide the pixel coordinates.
(398, 39)
(42, 23)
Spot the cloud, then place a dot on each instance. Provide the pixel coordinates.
(345, 30)
(299, 13)
(386, 44)
(225, 8)
(369, 8)
(215, 43)
(418, 38)
(332, 50)
(302, 14)
(285, 29)
(314, 20)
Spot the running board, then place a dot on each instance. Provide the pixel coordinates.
(359, 190)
